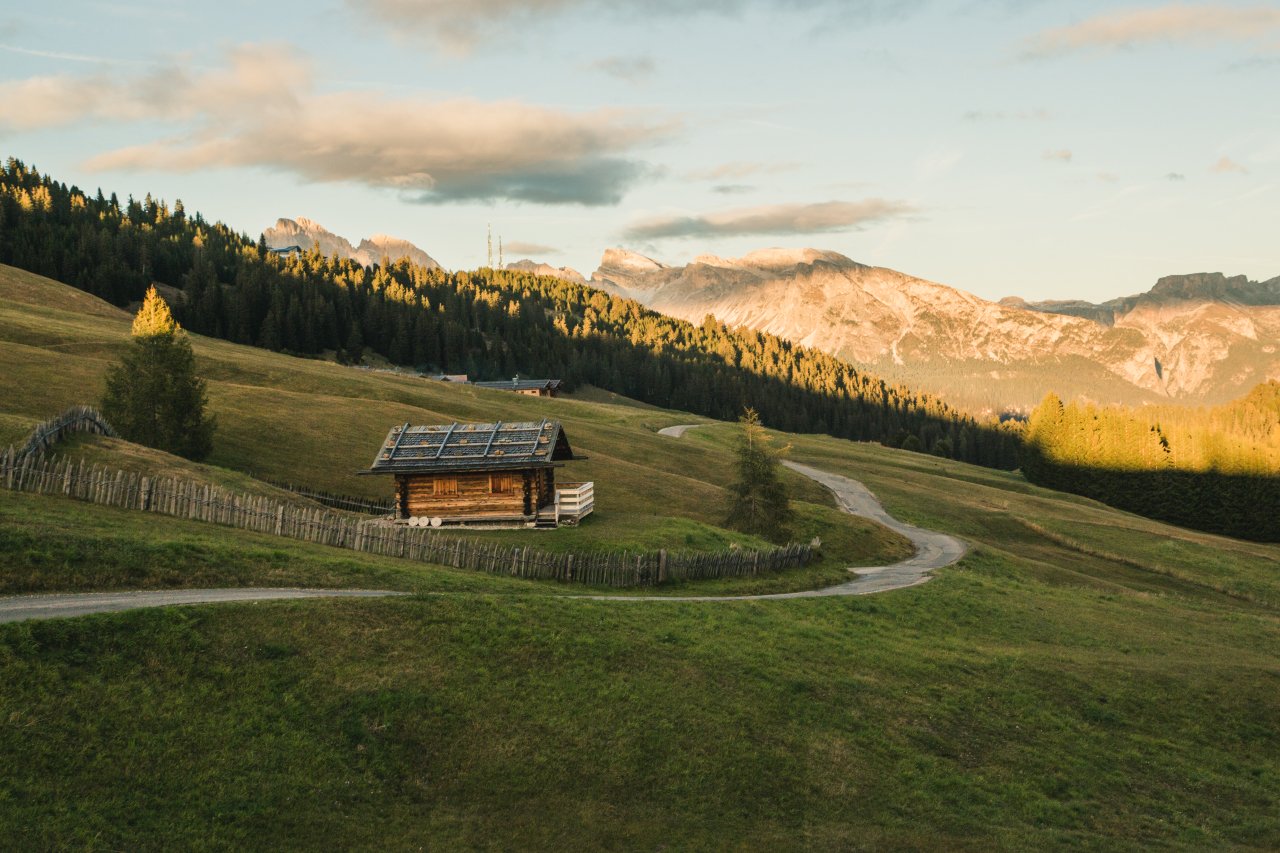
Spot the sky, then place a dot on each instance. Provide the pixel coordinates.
(1006, 147)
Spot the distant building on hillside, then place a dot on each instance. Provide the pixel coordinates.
(285, 251)
(530, 387)
(449, 377)
(482, 474)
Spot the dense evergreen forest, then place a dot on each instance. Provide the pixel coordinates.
(488, 323)
(1214, 469)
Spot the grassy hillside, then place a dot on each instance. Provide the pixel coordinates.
(1084, 678)
(316, 423)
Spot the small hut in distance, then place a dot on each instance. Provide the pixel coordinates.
(498, 474)
(529, 387)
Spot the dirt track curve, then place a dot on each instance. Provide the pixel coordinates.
(934, 550)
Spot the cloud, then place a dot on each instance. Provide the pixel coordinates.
(773, 219)
(69, 57)
(1003, 115)
(1175, 176)
(1167, 24)
(630, 68)
(457, 26)
(732, 189)
(1255, 63)
(1061, 155)
(517, 247)
(1226, 166)
(739, 169)
(263, 110)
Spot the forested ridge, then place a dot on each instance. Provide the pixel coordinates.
(486, 323)
(1214, 469)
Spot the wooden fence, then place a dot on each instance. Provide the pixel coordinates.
(347, 503)
(201, 502)
(74, 419)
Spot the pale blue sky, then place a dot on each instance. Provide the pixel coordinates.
(1048, 150)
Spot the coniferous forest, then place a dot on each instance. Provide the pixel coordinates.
(490, 324)
(1213, 469)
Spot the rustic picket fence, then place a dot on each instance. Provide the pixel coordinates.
(188, 499)
(347, 503)
(50, 432)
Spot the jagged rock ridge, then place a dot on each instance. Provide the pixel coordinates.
(1201, 338)
(306, 233)
(539, 268)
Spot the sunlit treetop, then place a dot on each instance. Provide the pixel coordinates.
(154, 317)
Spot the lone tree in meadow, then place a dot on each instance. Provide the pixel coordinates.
(153, 395)
(760, 503)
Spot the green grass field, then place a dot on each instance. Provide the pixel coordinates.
(1084, 678)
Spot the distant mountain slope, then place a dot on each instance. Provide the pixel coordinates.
(538, 268)
(307, 233)
(1192, 338)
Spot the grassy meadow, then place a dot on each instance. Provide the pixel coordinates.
(1082, 679)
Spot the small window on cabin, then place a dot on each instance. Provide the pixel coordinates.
(500, 484)
(446, 486)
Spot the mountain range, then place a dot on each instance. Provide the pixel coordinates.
(306, 233)
(1201, 338)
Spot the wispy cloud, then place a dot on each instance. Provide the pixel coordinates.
(71, 57)
(1007, 115)
(518, 247)
(263, 109)
(1175, 176)
(1062, 155)
(1226, 166)
(732, 189)
(459, 25)
(1256, 63)
(773, 219)
(632, 69)
(739, 169)
(1174, 23)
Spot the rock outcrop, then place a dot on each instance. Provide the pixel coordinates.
(538, 268)
(306, 234)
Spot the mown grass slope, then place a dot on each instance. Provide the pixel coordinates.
(1082, 679)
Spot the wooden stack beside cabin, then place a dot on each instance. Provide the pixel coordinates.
(490, 473)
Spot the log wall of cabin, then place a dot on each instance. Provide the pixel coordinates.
(463, 494)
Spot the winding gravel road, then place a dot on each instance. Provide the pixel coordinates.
(934, 550)
(20, 608)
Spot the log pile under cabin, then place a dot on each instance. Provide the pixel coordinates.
(489, 473)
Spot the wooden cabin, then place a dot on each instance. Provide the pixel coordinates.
(499, 473)
(529, 387)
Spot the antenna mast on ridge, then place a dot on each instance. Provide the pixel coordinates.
(490, 261)
(500, 266)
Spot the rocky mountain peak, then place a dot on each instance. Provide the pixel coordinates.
(539, 268)
(308, 233)
(629, 261)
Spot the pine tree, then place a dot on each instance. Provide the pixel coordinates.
(760, 501)
(153, 395)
